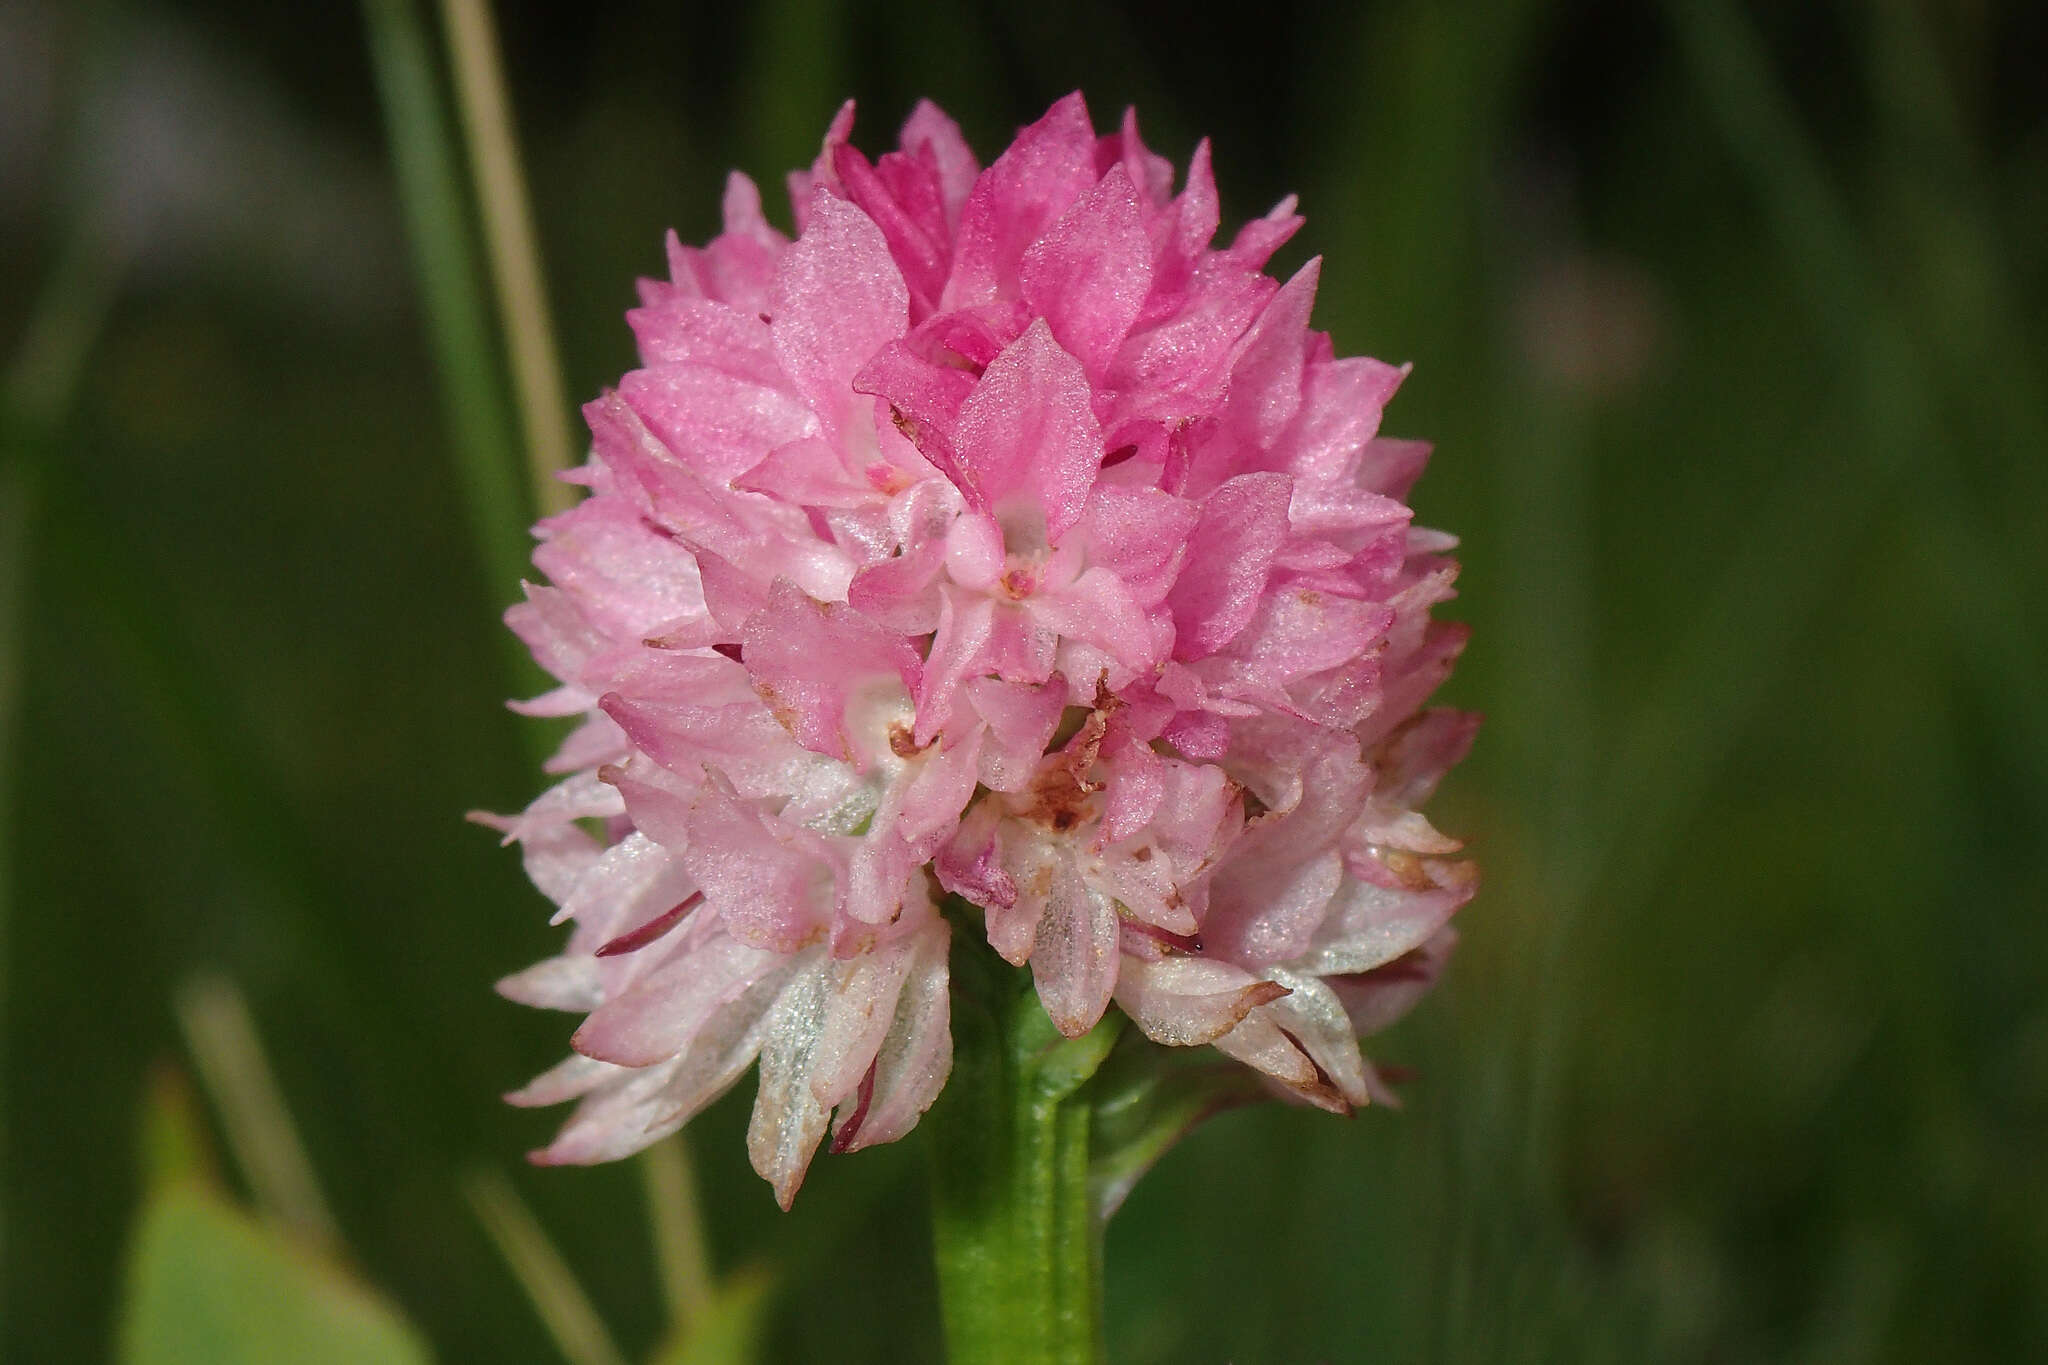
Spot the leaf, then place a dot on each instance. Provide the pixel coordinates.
(1138, 1122)
(209, 1285)
(728, 1332)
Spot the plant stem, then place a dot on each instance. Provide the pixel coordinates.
(1017, 1235)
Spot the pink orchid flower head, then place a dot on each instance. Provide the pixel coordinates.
(1000, 542)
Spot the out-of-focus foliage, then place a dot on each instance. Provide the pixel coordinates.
(1727, 319)
(208, 1281)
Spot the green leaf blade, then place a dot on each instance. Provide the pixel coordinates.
(209, 1285)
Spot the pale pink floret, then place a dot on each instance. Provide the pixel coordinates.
(996, 537)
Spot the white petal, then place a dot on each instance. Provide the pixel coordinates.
(917, 1054)
(1315, 1018)
(1187, 1001)
(788, 1121)
(1075, 961)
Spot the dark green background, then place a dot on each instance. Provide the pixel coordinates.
(1728, 322)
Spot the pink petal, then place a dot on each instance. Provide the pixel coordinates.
(1051, 164)
(703, 332)
(804, 185)
(838, 299)
(766, 887)
(1367, 926)
(924, 398)
(903, 199)
(663, 1012)
(1377, 999)
(1140, 535)
(1229, 556)
(1340, 412)
(630, 882)
(1258, 239)
(808, 658)
(624, 578)
(859, 1009)
(571, 1078)
(1418, 755)
(556, 983)
(1098, 609)
(965, 627)
(1021, 719)
(902, 593)
(640, 1107)
(549, 623)
(1265, 381)
(1315, 1019)
(1027, 435)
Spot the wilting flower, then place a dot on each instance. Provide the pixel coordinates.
(999, 538)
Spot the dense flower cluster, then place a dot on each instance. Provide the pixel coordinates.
(997, 537)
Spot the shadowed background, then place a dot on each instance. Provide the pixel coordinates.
(1727, 322)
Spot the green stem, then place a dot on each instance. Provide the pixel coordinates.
(1017, 1234)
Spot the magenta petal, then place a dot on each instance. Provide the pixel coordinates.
(1089, 275)
(931, 136)
(903, 199)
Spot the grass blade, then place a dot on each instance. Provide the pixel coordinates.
(678, 1227)
(542, 1273)
(222, 1036)
(510, 239)
(479, 418)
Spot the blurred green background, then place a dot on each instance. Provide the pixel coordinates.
(1728, 322)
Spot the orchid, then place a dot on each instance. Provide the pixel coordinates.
(998, 557)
